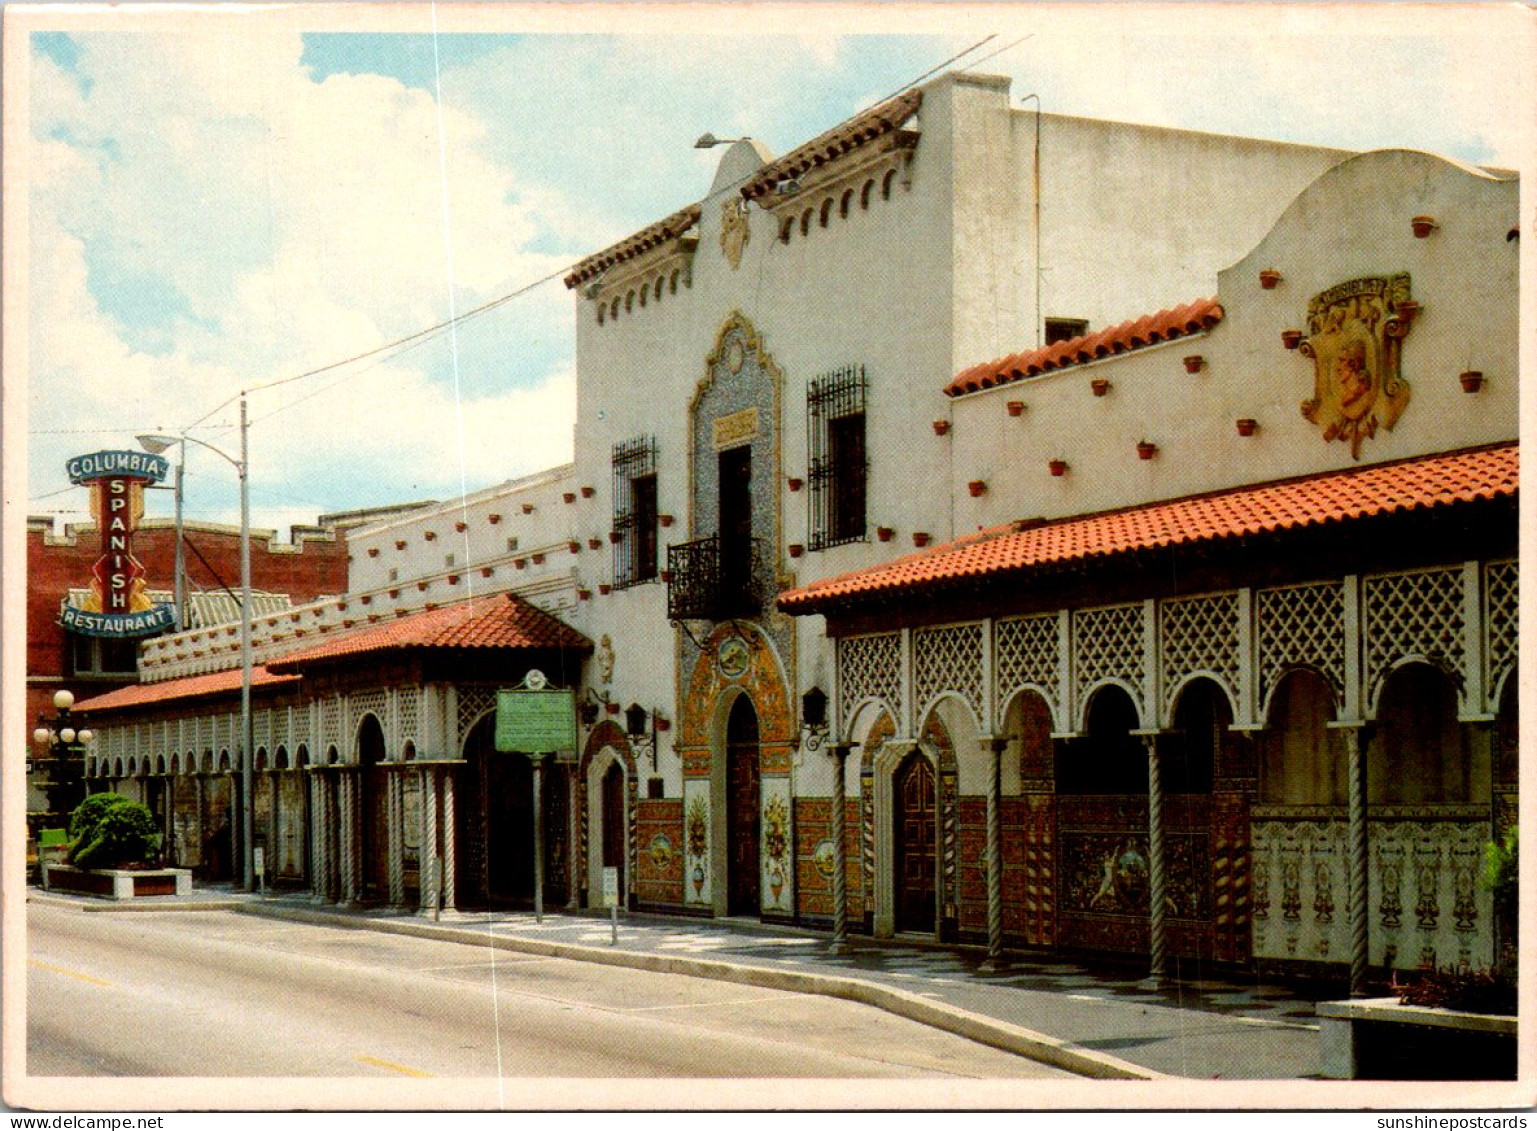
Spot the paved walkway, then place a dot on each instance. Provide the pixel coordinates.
(1098, 1020)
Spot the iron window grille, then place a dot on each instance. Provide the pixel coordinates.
(635, 511)
(838, 466)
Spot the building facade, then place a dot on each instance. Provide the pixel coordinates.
(864, 607)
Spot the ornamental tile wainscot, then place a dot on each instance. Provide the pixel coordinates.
(1426, 905)
(777, 848)
(659, 863)
(697, 890)
(1299, 877)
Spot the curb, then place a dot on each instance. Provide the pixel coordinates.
(963, 1023)
(94, 904)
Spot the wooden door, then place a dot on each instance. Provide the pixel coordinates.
(916, 837)
(375, 814)
(742, 816)
(613, 822)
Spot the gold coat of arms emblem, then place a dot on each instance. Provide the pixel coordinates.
(734, 231)
(1355, 333)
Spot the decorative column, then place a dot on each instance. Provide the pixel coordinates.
(446, 783)
(317, 837)
(576, 859)
(995, 748)
(840, 752)
(328, 818)
(347, 835)
(197, 824)
(428, 863)
(538, 761)
(395, 842)
(1355, 749)
(1156, 896)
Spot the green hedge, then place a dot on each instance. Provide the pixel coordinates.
(108, 830)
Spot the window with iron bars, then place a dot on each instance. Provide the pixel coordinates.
(835, 430)
(635, 511)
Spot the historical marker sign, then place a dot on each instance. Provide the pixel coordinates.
(535, 722)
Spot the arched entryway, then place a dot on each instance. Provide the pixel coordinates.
(373, 810)
(611, 821)
(743, 821)
(915, 828)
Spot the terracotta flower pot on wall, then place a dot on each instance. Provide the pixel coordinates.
(1016, 408)
(793, 483)
(604, 588)
(1100, 386)
(1058, 467)
(1268, 278)
(1472, 380)
(884, 533)
(574, 546)
(920, 538)
(1247, 425)
(796, 549)
(528, 508)
(1194, 362)
(569, 497)
(664, 519)
(1146, 449)
(1291, 339)
(595, 543)
(587, 492)
(941, 427)
(977, 487)
(1422, 226)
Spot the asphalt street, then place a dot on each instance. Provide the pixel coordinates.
(213, 993)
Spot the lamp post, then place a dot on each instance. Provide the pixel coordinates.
(63, 746)
(156, 445)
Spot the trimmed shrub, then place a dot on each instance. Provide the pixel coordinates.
(108, 830)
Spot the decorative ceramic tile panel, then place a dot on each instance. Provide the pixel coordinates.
(1500, 620)
(1301, 625)
(1026, 651)
(1200, 634)
(697, 891)
(948, 659)
(1299, 872)
(1412, 614)
(870, 667)
(1426, 904)
(777, 848)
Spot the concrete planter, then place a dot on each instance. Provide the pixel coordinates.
(116, 883)
(1380, 1039)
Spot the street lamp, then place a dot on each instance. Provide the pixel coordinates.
(156, 445)
(63, 746)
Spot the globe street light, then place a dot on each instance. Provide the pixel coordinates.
(156, 445)
(62, 745)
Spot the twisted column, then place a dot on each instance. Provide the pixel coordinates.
(840, 752)
(347, 834)
(317, 838)
(576, 859)
(1357, 893)
(994, 852)
(395, 807)
(427, 856)
(1156, 896)
(538, 761)
(197, 800)
(446, 781)
(331, 815)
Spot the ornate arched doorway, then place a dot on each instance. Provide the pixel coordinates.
(611, 800)
(743, 823)
(373, 810)
(915, 849)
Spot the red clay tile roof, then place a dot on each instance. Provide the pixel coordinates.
(1416, 484)
(1164, 326)
(654, 235)
(489, 622)
(857, 131)
(190, 687)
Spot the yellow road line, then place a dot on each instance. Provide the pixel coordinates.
(41, 965)
(392, 1066)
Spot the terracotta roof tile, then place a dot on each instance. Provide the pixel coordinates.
(490, 622)
(190, 687)
(1148, 330)
(857, 131)
(1416, 484)
(669, 228)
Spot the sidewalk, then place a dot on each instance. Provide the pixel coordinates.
(1098, 1021)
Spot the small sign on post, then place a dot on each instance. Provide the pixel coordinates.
(611, 901)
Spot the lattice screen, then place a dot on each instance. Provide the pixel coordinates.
(870, 666)
(1027, 651)
(1412, 614)
(282, 732)
(473, 702)
(330, 725)
(408, 705)
(261, 730)
(370, 702)
(1501, 593)
(949, 659)
(1108, 642)
(1200, 634)
(1301, 625)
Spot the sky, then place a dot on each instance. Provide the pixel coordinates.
(225, 201)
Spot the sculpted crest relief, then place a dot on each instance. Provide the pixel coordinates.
(734, 231)
(1354, 337)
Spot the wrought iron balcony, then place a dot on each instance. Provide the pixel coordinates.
(706, 584)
